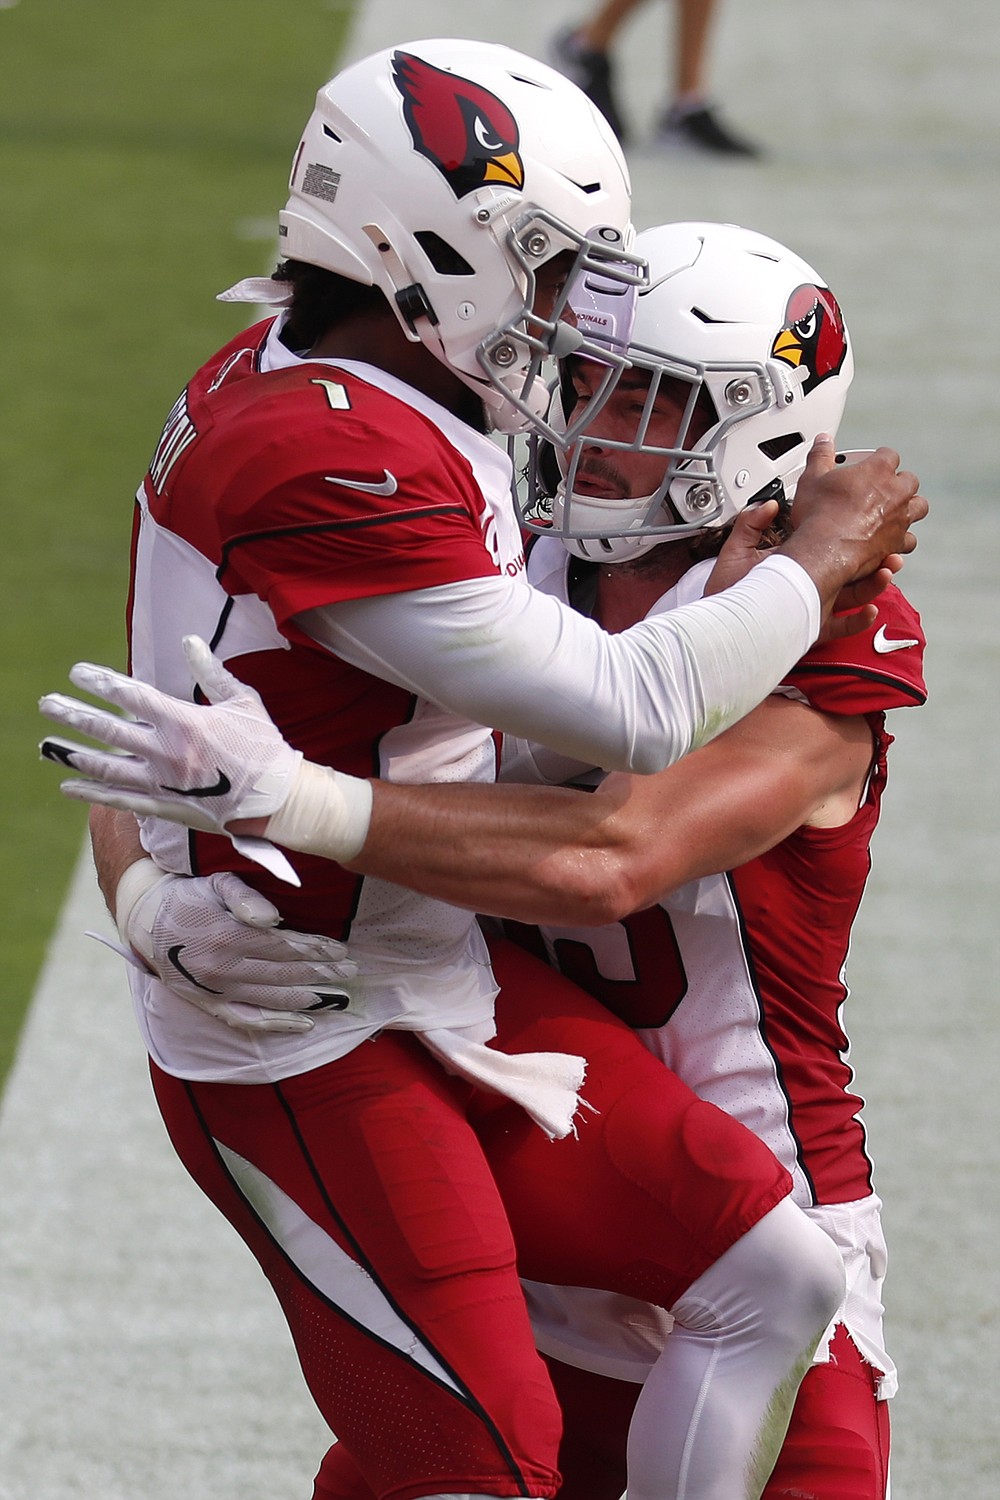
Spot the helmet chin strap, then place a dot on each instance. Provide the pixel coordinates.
(613, 548)
(405, 296)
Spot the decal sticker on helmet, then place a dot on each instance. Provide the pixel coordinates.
(320, 181)
(468, 133)
(813, 336)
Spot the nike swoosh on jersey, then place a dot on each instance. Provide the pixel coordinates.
(386, 486)
(218, 789)
(883, 645)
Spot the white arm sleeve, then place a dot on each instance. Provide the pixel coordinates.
(499, 652)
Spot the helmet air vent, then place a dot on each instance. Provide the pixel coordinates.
(445, 259)
(775, 448)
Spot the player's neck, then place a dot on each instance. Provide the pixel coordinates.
(380, 341)
(626, 592)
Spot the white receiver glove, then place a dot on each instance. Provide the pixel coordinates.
(205, 766)
(216, 942)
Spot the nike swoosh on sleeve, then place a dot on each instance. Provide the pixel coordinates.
(883, 645)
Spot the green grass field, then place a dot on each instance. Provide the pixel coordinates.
(144, 152)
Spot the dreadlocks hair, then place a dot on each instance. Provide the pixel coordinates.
(320, 300)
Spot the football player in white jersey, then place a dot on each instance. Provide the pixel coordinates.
(394, 589)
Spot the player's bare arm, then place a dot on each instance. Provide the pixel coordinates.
(114, 841)
(545, 854)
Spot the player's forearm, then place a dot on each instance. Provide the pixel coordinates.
(529, 853)
(543, 854)
(114, 838)
(548, 855)
(539, 854)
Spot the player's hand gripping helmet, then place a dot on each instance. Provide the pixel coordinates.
(752, 348)
(447, 173)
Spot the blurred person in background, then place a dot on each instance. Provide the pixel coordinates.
(690, 121)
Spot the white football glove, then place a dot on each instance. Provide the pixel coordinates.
(206, 765)
(200, 765)
(217, 943)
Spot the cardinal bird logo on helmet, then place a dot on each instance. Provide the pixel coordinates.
(468, 133)
(812, 336)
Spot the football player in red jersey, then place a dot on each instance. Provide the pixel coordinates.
(735, 980)
(393, 588)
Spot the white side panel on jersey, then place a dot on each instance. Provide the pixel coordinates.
(435, 745)
(189, 601)
(396, 932)
(327, 1267)
(713, 1039)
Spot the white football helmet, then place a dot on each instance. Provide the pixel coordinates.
(446, 173)
(751, 345)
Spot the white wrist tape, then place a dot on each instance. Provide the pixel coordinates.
(325, 813)
(138, 880)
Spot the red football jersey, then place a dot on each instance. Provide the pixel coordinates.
(797, 905)
(281, 485)
(737, 980)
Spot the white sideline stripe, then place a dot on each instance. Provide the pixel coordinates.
(141, 1351)
(326, 1266)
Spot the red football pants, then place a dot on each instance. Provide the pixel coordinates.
(837, 1447)
(368, 1191)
